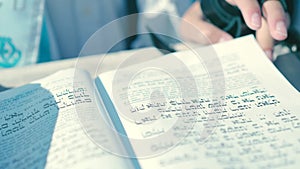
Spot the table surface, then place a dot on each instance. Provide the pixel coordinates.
(288, 65)
(95, 64)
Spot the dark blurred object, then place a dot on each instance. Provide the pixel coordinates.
(293, 40)
(225, 16)
(160, 45)
(162, 42)
(289, 66)
(132, 9)
(229, 18)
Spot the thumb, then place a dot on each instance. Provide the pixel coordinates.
(203, 32)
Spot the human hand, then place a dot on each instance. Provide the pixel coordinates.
(271, 27)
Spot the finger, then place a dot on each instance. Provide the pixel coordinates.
(265, 39)
(194, 28)
(276, 18)
(251, 12)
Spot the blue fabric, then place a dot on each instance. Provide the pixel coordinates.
(72, 22)
(44, 51)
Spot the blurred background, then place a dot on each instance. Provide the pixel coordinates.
(35, 31)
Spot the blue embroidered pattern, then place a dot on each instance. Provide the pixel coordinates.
(9, 54)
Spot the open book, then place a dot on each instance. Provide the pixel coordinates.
(223, 106)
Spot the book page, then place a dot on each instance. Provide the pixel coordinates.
(243, 115)
(40, 125)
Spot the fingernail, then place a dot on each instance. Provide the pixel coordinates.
(256, 20)
(281, 29)
(269, 53)
(225, 38)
